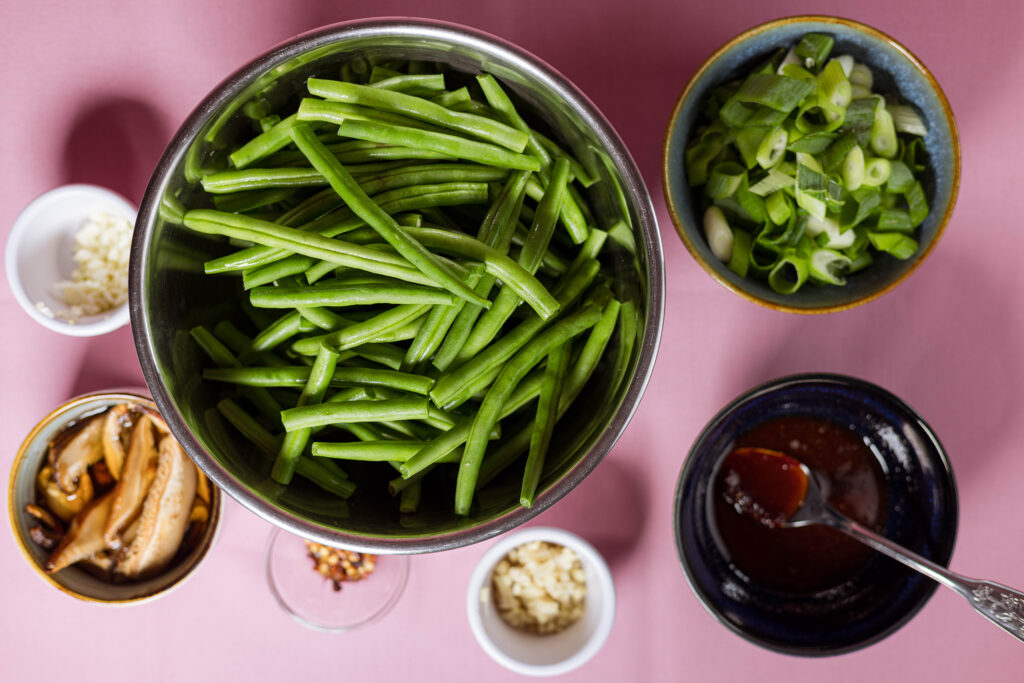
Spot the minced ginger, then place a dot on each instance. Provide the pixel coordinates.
(540, 587)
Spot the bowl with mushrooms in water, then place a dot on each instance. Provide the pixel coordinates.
(104, 503)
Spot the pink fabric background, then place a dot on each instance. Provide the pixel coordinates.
(92, 92)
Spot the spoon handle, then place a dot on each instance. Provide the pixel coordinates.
(1002, 605)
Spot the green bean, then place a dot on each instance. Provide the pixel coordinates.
(358, 152)
(421, 109)
(324, 318)
(239, 343)
(584, 367)
(452, 98)
(388, 355)
(405, 82)
(343, 376)
(399, 484)
(374, 182)
(580, 174)
(218, 353)
(379, 220)
(354, 411)
(270, 234)
(498, 264)
(342, 294)
(492, 320)
(457, 386)
(579, 374)
(496, 232)
(331, 479)
(255, 199)
(239, 180)
(409, 501)
(295, 441)
(452, 145)
(544, 424)
(222, 357)
(282, 329)
(393, 201)
(314, 110)
(365, 331)
(369, 451)
(278, 270)
(445, 444)
(503, 386)
(572, 218)
(264, 144)
(436, 326)
(503, 106)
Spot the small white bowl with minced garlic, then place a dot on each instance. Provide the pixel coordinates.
(541, 601)
(67, 259)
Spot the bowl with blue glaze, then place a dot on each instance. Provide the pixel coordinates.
(896, 71)
(877, 595)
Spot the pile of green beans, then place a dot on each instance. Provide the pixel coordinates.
(422, 271)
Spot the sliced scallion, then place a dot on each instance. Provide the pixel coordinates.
(772, 148)
(724, 180)
(718, 234)
(778, 207)
(788, 274)
(876, 171)
(853, 169)
(833, 85)
(906, 120)
(917, 204)
(893, 243)
(776, 92)
(827, 266)
(773, 182)
(739, 260)
(861, 75)
(805, 172)
(883, 135)
(814, 49)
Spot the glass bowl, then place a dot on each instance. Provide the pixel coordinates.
(311, 599)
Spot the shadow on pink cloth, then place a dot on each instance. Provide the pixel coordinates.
(109, 363)
(115, 142)
(943, 341)
(607, 509)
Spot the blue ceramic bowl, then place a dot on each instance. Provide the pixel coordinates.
(895, 70)
(883, 595)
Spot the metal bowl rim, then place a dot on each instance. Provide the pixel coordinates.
(634, 188)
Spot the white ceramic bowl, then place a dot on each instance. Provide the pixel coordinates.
(542, 655)
(39, 254)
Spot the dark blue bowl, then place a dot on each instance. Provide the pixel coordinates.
(881, 597)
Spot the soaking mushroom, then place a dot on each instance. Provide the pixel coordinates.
(117, 429)
(84, 537)
(130, 492)
(72, 457)
(165, 515)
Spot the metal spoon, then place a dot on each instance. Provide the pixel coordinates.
(1000, 604)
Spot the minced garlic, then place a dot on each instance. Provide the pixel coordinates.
(100, 282)
(540, 587)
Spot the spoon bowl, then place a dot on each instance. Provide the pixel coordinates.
(1002, 605)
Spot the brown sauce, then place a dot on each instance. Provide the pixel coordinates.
(766, 485)
(813, 558)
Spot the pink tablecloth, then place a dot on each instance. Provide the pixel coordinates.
(92, 92)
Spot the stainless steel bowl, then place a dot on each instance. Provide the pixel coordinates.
(170, 294)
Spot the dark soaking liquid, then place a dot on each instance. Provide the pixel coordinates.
(813, 558)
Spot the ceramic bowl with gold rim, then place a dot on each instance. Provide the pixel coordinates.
(896, 71)
(136, 573)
